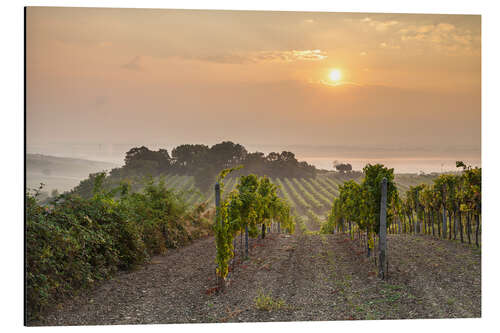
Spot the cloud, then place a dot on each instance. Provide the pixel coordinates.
(445, 27)
(338, 84)
(443, 36)
(311, 55)
(223, 58)
(135, 64)
(389, 46)
(264, 56)
(379, 25)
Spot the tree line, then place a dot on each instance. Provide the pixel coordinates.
(204, 163)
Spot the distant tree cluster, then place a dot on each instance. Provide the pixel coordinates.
(204, 162)
(342, 167)
(147, 160)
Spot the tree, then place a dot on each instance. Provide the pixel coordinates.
(343, 167)
(147, 162)
(203, 162)
(189, 158)
(255, 163)
(227, 154)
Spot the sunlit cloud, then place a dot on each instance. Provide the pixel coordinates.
(445, 27)
(427, 32)
(224, 58)
(335, 83)
(379, 25)
(265, 56)
(339, 83)
(443, 36)
(312, 55)
(384, 45)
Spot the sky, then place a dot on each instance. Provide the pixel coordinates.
(259, 78)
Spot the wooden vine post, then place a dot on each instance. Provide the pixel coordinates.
(246, 241)
(382, 268)
(221, 281)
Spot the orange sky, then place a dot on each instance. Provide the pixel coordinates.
(136, 75)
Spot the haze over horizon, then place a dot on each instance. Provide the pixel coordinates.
(276, 79)
(410, 160)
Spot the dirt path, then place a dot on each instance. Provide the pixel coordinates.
(307, 277)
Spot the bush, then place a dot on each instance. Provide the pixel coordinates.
(74, 242)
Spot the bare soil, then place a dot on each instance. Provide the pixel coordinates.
(303, 277)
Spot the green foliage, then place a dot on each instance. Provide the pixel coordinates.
(254, 202)
(360, 203)
(147, 162)
(452, 193)
(371, 188)
(73, 242)
(471, 190)
(224, 228)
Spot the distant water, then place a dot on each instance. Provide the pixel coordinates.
(404, 159)
(400, 165)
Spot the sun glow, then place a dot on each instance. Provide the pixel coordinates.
(335, 75)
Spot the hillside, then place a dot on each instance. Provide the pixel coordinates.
(311, 274)
(156, 205)
(60, 173)
(310, 198)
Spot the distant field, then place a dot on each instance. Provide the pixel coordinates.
(60, 173)
(310, 198)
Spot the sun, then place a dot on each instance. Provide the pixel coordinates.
(335, 75)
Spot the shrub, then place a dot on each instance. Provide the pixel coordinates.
(74, 242)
